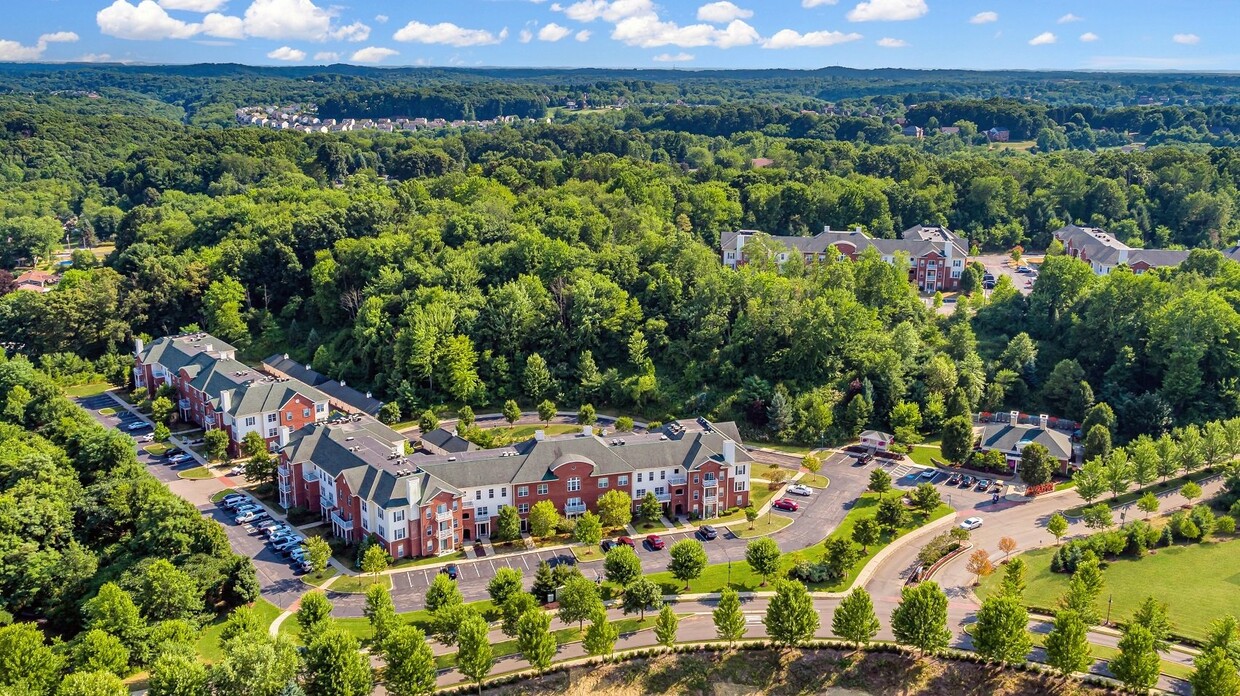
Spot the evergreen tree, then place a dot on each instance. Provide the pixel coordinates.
(854, 618)
(544, 583)
(1014, 578)
(790, 617)
(729, 620)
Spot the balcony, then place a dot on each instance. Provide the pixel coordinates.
(711, 498)
(574, 509)
(467, 504)
(664, 497)
(710, 482)
(285, 486)
(677, 480)
(282, 470)
(445, 516)
(326, 503)
(309, 475)
(445, 533)
(342, 523)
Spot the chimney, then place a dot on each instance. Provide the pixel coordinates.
(368, 396)
(283, 436)
(729, 451)
(1042, 420)
(413, 489)
(286, 356)
(1014, 417)
(308, 368)
(587, 430)
(138, 345)
(226, 401)
(540, 435)
(210, 347)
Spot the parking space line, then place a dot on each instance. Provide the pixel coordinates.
(425, 579)
(527, 565)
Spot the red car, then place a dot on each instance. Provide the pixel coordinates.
(627, 541)
(655, 542)
(786, 504)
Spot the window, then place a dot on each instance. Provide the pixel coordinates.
(398, 516)
(738, 486)
(478, 494)
(523, 491)
(622, 480)
(603, 483)
(483, 513)
(364, 508)
(660, 490)
(542, 489)
(250, 421)
(641, 492)
(288, 416)
(695, 478)
(320, 408)
(574, 483)
(271, 432)
(305, 413)
(662, 475)
(523, 508)
(429, 514)
(272, 418)
(695, 495)
(675, 471)
(503, 492)
(740, 469)
(639, 477)
(491, 493)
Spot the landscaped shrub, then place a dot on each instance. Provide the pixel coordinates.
(298, 515)
(1225, 526)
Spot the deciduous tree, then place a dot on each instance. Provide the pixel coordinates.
(409, 663)
(1002, 630)
(763, 556)
(534, 639)
(728, 618)
(854, 618)
(688, 560)
(1067, 645)
(920, 620)
(790, 617)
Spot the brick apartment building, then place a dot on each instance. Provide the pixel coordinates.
(356, 473)
(937, 257)
(214, 390)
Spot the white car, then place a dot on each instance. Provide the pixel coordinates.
(138, 425)
(800, 489)
(971, 523)
(236, 471)
(179, 458)
(149, 437)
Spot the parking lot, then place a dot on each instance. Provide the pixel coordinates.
(958, 496)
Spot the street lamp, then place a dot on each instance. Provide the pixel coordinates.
(729, 573)
(1109, 598)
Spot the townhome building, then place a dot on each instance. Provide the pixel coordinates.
(357, 474)
(214, 390)
(936, 256)
(1104, 253)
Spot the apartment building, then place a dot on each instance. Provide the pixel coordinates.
(357, 474)
(936, 256)
(214, 390)
(1104, 253)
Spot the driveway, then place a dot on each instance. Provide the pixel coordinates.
(1000, 264)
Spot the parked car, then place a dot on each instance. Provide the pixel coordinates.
(236, 471)
(280, 537)
(608, 545)
(451, 571)
(278, 529)
(655, 542)
(864, 459)
(1024, 269)
(180, 458)
(786, 504)
(929, 474)
(236, 503)
(149, 437)
(954, 480)
(173, 451)
(268, 524)
(968, 481)
(249, 515)
(983, 485)
(800, 489)
(971, 523)
(302, 565)
(627, 541)
(707, 532)
(138, 425)
(231, 498)
(286, 547)
(298, 556)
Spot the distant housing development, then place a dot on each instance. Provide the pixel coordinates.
(937, 257)
(1104, 253)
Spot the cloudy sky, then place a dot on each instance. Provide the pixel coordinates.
(1071, 34)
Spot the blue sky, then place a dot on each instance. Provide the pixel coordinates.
(977, 34)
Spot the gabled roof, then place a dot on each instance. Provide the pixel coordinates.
(1005, 437)
(268, 394)
(448, 441)
(174, 352)
(1158, 257)
(282, 365)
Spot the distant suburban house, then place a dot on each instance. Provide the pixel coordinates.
(912, 132)
(1012, 437)
(999, 135)
(444, 441)
(343, 397)
(877, 440)
(761, 162)
(949, 130)
(937, 257)
(36, 281)
(1104, 253)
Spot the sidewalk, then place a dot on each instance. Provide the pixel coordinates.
(174, 439)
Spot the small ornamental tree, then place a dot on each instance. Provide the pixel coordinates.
(1057, 525)
(216, 442)
(505, 583)
(729, 620)
(1137, 664)
(544, 518)
(534, 639)
(1148, 503)
(1007, 545)
(588, 530)
(508, 526)
(650, 509)
(980, 565)
(867, 531)
(688, 560)
(586, 415)
(751, 514)
(621, 565)
(474, 656)
(428, 421)
(790, 617)
(546, 410)
(615, 509)
(854, 618)
(578, 599)
(640, 595)
(601, 636)
(880, 481)
(380, 612)
(763, 556)
(666, 625)
(512, 412)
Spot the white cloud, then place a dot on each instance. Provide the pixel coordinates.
(681, 57)
(816, 3)
(553, 32)
(722, 12)
(223, 26)
(372, 54)
(447, 33)
(789, 38)
(146, 21)
(984, 18)
(95, 58)
(287, 19)
(15, 51)
(525, 36)
(352, 32)
(1186, 39)
(1043, 39)
(327, 56)
(886, 42)
(887, 10)
(614, 11)
(381, 19)
(583, 35)
(1069, 18)
(287, 53)
(650, 32)
(1089, 37)
(192, 5)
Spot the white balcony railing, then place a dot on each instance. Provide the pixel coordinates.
(445, 533)
(677, 480)
(285, 487)
(444, 516)
(346, 525)
(711, 498)
(710, 482)
(326, 503)
(663, 497)
(574, 509)
(309, 475)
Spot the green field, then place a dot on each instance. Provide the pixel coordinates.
(814, 480)
(921, 454)
(84, 390)
(1212, 569)
(357, 584)
(209, 639)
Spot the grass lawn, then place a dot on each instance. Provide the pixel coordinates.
(585, 554)
(814, 480)
(317, 579)
(781, 447)
(220, 496)
(409, 562)
(921, 454)
(1132, 496)
(651, 527)
(1065, 485)
(209, 639)
(743, 579)
(108, 411)
(508, 434)
(764, 525)
(1102, 652)
(759, 495)
(84, 390)
(198, 472)
(1213, 568)
(359, 627)
(357, 584)
(156, 450)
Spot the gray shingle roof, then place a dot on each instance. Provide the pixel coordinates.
(340, 392)
(175, 352)
(1004, 437)
(448, 441)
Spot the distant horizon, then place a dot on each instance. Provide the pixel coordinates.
(1055, 35)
